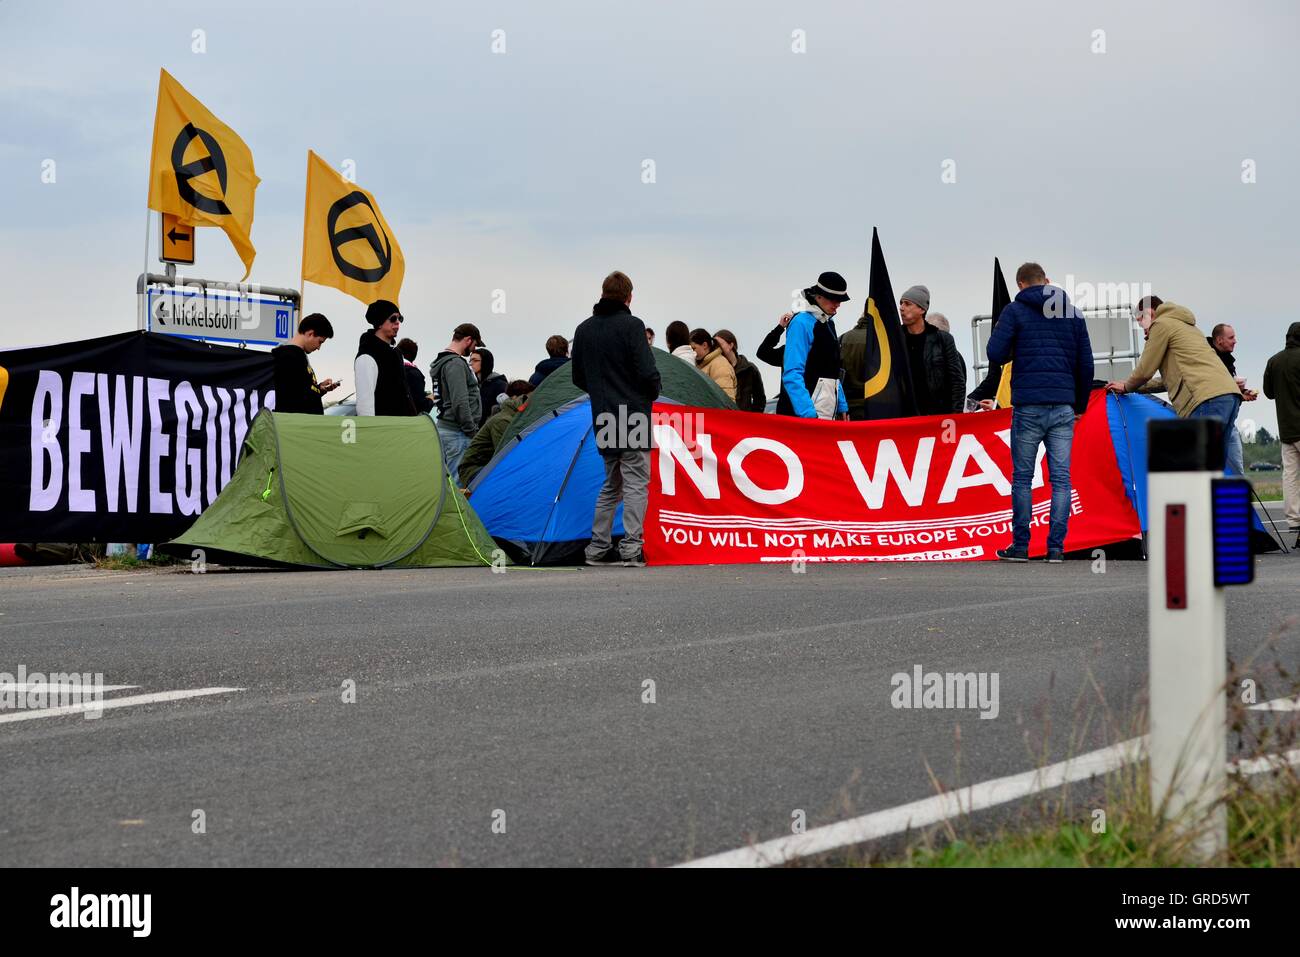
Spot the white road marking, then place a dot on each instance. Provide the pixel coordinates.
(928, 811)
(127, 702)
(941, 807)
(1269, 762)
(1278, 704)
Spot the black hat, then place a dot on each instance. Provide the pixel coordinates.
(832, 286)
(467, 329)
(380, 311)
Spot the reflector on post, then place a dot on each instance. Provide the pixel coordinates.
(1230, 513)
(1176, 557)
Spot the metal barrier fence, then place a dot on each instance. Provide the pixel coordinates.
(1116, 344)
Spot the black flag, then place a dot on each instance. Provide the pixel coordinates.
(1001, 298)
(888, 377)
(988, 389)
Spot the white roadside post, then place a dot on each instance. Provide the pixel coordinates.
(1192, 553)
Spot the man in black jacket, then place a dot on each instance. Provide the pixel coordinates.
(1282, 385)
(938, 370)
(557, 354)
(380, 376)
(612, 363)
(296, 388)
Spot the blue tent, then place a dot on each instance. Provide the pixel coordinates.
(540, 496)
(1128, 416)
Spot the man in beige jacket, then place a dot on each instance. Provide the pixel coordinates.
(1198, 384)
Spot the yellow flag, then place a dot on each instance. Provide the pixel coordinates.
(200, 170)
(346, 242)
(1004, 388)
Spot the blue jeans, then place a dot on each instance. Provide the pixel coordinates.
(1236, 454)
(1224, 408)
(454, 444)
(1032, 425)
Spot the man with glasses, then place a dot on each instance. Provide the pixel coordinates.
(380, 376)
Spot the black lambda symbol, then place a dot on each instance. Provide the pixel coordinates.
(370, 232)
(215, 160)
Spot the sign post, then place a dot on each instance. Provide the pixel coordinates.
(176, 242)
(1199, 542)
(207, 309)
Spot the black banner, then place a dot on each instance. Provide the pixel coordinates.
(123, 439)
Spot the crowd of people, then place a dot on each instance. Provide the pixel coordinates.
(1040, 335)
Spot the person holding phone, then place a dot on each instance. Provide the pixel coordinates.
(296, 388)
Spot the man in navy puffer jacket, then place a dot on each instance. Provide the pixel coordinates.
(1050, 381)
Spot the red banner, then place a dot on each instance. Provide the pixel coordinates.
(735, 487)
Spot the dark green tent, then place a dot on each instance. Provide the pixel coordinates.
(538, 493)
(679, 382)
(340, 492)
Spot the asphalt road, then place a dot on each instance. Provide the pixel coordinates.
(523, 693)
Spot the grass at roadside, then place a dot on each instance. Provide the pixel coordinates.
(129, 562)
(1268, 489)
(1263, 831)
(1110, 821)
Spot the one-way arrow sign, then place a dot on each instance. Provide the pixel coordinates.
(176, 242)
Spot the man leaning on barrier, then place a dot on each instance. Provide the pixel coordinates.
(1198, 384)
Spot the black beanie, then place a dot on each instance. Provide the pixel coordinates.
(379, 311)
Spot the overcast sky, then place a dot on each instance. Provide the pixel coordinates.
(522, 171)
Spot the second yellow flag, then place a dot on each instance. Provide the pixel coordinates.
(346, 242)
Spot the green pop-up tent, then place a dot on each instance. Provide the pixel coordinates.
(340, 492)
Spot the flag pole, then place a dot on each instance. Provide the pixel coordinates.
(140, 318)
(302, 268)
(140, 323)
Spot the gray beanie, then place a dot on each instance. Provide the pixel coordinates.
(919, 295)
